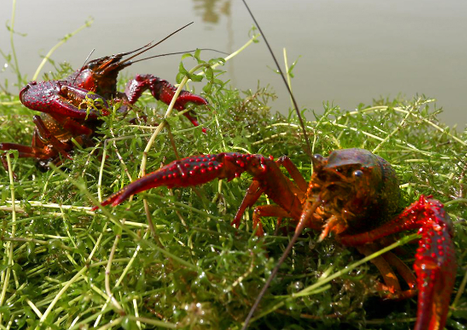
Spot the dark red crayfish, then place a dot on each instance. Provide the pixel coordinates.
(66, 112)
(353, 194)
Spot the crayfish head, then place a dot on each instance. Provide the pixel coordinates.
(353, 188)
(99, 75)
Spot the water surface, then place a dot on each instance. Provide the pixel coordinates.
(349, 52)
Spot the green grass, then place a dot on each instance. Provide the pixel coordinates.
(63, 266)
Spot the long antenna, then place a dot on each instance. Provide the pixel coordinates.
(176, 53)
(82, 66)
(308, 148)
(310, 209)
(151, 45)
(135, 52)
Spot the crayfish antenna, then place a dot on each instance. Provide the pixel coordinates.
(137, 51)
(294, 101)
(176, 53)
(151, 45)
(84, 64)
(308, 210)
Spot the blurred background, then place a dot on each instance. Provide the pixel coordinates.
(348, 52)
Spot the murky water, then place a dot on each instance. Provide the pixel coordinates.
(349, 51)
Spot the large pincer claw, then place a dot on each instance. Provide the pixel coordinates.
(435, 266)
(164, 91)
(61, 98)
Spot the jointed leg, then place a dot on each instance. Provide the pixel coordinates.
(251, 196)
(267, 211)
(44, 134)
(294, 172)
(392, 285)
(254, 192)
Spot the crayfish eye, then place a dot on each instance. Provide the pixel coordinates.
(357, 173)
(318, 162)
(318, 158)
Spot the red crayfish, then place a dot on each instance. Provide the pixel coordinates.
(352, 193)
(64, 104)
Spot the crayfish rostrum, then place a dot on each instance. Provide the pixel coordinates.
(353, 194)
(65, 113)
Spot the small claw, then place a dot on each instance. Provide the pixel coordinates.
(58, 97)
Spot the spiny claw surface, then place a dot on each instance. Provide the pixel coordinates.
(190, 171)
(435, 262)
(181, 173)
(201, 169)
(58, 97)
(435, 266)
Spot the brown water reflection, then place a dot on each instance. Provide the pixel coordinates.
(212, 9)
(349, 51)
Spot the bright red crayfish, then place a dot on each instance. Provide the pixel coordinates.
(353, 194)
(64, 111)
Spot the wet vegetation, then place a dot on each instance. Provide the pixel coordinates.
(169, 258)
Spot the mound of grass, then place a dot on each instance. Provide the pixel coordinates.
(169, 258)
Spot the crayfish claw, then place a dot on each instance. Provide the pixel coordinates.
(435, 266)
(57, 97)
(164, 91)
